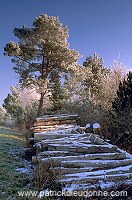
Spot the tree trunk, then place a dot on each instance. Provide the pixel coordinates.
(43, 77)
(40, 108)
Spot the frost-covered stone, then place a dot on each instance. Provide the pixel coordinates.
(83, 159)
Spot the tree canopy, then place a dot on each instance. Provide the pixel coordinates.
(97, 73)
(40, 50)
(123, 101)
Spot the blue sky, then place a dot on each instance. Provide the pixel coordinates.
(101, 26)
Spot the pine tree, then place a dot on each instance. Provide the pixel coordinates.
(57, 93)
(13, 107)
(97, 72)
(121, 115)
(123, 102)
(40, 50)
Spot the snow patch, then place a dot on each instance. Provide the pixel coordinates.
(96, 125)
(22, 170)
